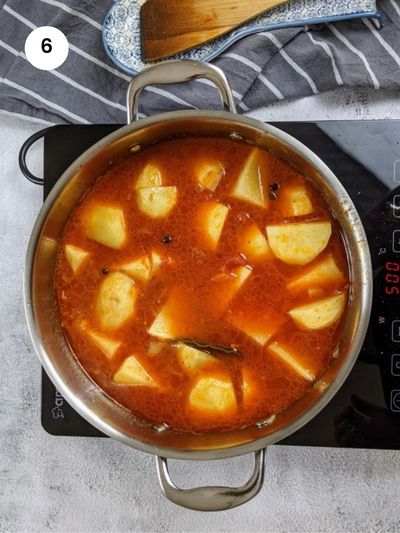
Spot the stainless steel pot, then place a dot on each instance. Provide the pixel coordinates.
(43, 318)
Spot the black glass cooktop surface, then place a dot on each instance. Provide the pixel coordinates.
(365, 156)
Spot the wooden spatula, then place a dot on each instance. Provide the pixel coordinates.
(171, 26)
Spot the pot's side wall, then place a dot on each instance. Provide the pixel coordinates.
(58, 360)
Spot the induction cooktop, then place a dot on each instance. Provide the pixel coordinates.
(365, 156)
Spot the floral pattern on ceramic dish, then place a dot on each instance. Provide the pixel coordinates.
(121, 29)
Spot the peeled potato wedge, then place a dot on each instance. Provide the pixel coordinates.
(106, 225)
(232, 286)
(296, 202)
(298, 244)
(321, 275)
(319, 314)
(149, 177)
(254, 244)
(191, 358)
(211, 219)
(251, 183)
(75, 257)
(251, 388)
(241, 274)
(107, 346)
(162, 327)
(222, 292)
(258, 335)
(157, 202)
(144, 268)
(260, 327)
(156, 261)
(209, 174)
(179, 316)
(212, 395)
(290, 359)
(131, 372)
(116, 300)
(139, 269)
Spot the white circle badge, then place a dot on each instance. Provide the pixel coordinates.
(46, 48)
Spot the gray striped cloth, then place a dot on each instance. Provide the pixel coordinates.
(261, 68)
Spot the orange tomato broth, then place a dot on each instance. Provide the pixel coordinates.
(191, 272)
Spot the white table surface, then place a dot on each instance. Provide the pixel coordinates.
(76, 484)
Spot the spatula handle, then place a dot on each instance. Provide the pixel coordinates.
(178, 71)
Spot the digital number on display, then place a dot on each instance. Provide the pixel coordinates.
(392, 278)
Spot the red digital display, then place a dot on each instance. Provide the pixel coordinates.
(392, 278)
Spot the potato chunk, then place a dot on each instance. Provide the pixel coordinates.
(251, 183)
(254, 244)
(180, 316)
(296, 202)
(291, 360)
(149, 177)
(252, 388)
(324, 273)
(157, 202)
(191, 358)
(75, 256)
(299, 244)
(106, 225)
(139, 269)
(156, 262)
(144, 268)
(162, 327)
(209, 174)
(241, 274)
(211, 219)
(131, 372)
(320, 314)
(108, 346)
(212, 394)
(116, 300)
(225, 291)
(259, 326)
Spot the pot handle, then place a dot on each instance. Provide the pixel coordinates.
(212, 498)
(22, 156)
(177, 71)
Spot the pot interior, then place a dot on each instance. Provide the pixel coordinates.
(64, 369)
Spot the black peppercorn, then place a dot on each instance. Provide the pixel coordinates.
(167, 239)
(272, 196)
(105, 271)
(274, 186)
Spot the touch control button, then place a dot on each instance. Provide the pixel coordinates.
(395, 401)
(396, 364)
(396, 241)
(396, 331)
(396, 206)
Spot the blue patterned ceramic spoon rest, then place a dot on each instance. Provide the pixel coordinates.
(121, 31)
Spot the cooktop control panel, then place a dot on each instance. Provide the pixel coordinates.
(383, 229)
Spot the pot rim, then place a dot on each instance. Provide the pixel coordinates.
(365, 296)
